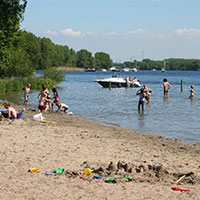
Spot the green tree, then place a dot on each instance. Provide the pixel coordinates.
(47, 52)
(32, 46)
(11, 14)
(84, 59)
(102, 60)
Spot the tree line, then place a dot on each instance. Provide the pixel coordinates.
(168, 64)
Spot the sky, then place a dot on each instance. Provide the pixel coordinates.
(125, 29)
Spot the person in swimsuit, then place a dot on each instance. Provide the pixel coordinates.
(191, 92)
(148, 92)
(141, 98)
(166, 87)
(61, 106)
(12, 113)
(45, 93)
(44, 102)
(27, 91)
(55, 95)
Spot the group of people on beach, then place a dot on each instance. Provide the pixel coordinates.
(46, 102)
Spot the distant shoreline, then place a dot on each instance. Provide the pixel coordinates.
(69, 69)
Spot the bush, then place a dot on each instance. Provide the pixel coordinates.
(17, 84)
(3, 85)
(37, 82)
(53, 74)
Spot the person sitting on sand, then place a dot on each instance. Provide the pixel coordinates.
(12, 113)
(141, 98)
(166, 87)
(27, 91)
(191, 92)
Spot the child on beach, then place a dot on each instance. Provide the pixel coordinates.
(27, 91)
(55, 95)
(141, 98)
(191, 92)
(166, 87)
(44, 102)
(44, 93)
(61, 106)
(12, 113)
(148, 92)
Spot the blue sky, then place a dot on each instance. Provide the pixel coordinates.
(126, 29)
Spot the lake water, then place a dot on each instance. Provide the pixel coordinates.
(175, 117)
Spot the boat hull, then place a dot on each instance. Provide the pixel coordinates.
(106, 84)
(110, 84)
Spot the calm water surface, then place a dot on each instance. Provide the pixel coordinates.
(175, 117)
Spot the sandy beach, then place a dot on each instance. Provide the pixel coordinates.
(152, 162)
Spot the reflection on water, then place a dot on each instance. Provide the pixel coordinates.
(141, 121)
(175, 117)
(165, 99)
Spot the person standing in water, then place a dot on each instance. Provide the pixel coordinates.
(191, 92)
(141, 98)
(166, 87)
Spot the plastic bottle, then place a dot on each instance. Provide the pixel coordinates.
(23, 109)
(34, 170)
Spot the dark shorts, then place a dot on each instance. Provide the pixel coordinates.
(25, 97)
(42, 107)
(5, 115)
(165, 91)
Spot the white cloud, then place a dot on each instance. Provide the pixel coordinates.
(112, 33)
(48, 32)
(90, 33)
(187, 32)
(183, 43)
(147, 34)
(136, 32)
(70, 32)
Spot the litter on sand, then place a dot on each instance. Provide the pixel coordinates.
(58, 170)
(110, 179)
(177, 181)
(51, 122)
(88, 171)
(38, 117)
(180, 189)
(37, 170)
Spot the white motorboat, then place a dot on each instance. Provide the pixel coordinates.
(114, 69)
(117, 82)
(126, 69)
(90, 70)
(134, 69)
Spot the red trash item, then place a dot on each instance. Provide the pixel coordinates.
(180, 189)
